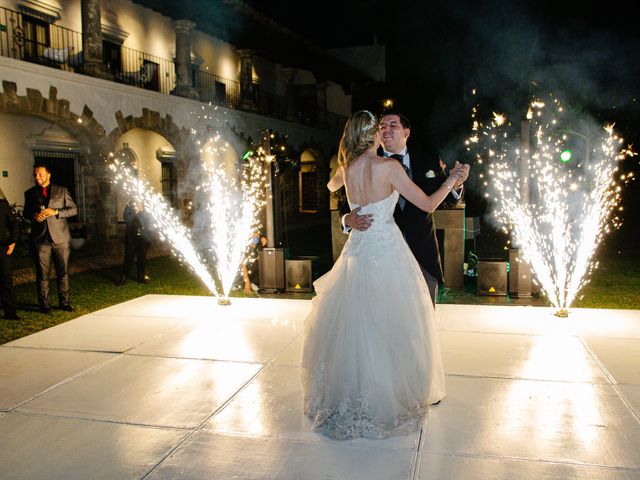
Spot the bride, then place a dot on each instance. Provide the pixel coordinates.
(371, 361)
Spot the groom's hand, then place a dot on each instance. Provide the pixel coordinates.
(461, 171)
(358, 222)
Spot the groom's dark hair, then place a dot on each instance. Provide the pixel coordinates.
(403, 119)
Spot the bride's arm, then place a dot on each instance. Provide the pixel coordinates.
(337, 181)
(412, 193)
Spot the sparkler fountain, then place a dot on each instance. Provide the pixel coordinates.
(560, 213)
(165, 221)
(232, 195)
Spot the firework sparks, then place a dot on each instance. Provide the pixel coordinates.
(560, 227)
(234, 194)
(165, 221)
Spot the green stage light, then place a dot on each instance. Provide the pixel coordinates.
(565, 156)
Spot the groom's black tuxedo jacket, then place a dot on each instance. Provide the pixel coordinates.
(416, 225)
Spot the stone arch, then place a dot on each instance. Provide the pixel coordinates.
(178, 137)
(92, 140)
(153, 121)
(84, 127)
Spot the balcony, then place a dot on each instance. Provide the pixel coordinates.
(32, 37)
(217, 90)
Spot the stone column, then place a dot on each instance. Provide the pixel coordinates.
(93, 63)
(288, 75)
(184, 87)
(247, 97)
(321, 87)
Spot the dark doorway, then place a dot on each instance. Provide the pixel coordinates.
(62, 166)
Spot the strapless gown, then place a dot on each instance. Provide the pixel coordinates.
(371, 360)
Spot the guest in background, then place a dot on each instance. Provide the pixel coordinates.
(258, 241)
(8, 238)
(48, 206)
(136, 241)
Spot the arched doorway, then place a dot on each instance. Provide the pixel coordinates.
(153, 157)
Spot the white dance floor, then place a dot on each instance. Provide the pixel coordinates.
(179, 387)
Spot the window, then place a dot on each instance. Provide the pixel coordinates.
(168, 183)
(112, 56)
(307, 188)
(221, 93)
(36, 38)
(150, 76)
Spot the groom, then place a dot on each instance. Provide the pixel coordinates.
(416, 226)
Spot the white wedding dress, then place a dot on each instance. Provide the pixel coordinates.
(371, 361)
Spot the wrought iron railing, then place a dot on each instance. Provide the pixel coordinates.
(140, 69)
(217, 90)
(31, 36)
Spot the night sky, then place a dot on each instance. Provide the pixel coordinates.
(438, 52)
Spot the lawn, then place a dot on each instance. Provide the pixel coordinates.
(95, 290)
(615, 284)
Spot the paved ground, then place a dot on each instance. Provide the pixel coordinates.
(180, 387)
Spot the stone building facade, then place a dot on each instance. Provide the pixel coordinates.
(75, 110)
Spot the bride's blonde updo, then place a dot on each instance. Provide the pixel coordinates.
(359, 135)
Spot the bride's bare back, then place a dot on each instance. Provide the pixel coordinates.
(370, 178)
(366, 179)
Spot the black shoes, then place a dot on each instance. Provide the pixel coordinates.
(11, 315)
(45, 310)
(122, 281)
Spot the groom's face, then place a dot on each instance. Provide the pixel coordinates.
(393, 135)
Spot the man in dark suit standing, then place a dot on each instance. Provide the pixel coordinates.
(8, 238)
(48, 206)
(417, 226)
(136, 240)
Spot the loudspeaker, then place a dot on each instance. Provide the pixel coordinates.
(271, 269)
(519, 275)
(298, 275)
(492, 277)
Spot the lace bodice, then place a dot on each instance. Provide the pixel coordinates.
(383, 232)
(382, 210)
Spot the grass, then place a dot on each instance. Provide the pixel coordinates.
(615, 284)
(95, 290)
